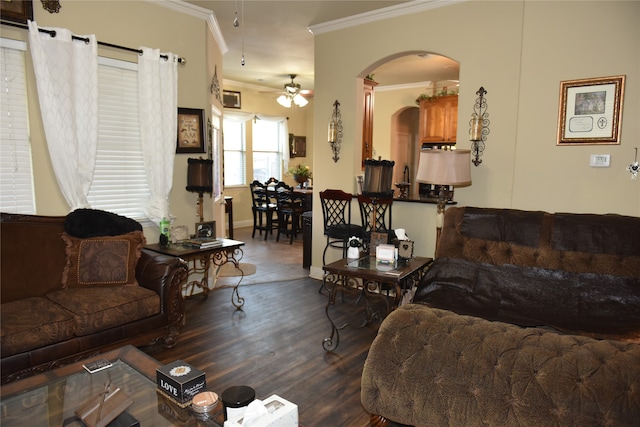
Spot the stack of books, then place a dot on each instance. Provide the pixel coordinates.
(202, 242)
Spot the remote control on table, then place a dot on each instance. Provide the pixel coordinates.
(97, 365)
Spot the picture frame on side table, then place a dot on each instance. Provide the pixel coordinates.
(190, 131)
(231, 99)
(206, 229)
(590, 111)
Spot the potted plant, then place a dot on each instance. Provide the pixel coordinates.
(300, 173)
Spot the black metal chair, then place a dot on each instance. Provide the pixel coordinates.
(336, 214)
(263, 210)
(375, 213)
(290, 210)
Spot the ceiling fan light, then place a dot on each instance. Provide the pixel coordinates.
(284, 100)
(300, 100)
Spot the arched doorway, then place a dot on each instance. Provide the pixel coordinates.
(404, 134)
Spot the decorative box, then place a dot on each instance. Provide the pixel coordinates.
(180, 381)
(405, 249)
(280, 413)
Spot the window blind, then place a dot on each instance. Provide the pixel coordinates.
(267, 153)
(119, 181)
(234, 153)
(16, 178)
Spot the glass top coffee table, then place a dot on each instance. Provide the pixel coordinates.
(367, 278)
(50, 399)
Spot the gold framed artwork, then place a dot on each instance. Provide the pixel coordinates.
(590, 111)
(190, 131)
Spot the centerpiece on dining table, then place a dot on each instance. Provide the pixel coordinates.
(300, 173)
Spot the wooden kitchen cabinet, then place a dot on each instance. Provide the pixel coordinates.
(439, 119)
(367, 126)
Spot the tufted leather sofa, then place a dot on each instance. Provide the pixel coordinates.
(45, 325)
(524, 319)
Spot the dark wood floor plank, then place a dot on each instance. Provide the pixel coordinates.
(275, 346)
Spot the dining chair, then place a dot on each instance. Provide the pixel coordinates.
(290, 210)
(263, 209)
(376, 216)
(336, 215)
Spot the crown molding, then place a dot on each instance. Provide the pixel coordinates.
(199, 12)
(380, 14)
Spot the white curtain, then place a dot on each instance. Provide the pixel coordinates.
(243, 116)
(158, 99)
(284, 135)
(67, 80)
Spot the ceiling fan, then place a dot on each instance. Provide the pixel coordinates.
(293, 94)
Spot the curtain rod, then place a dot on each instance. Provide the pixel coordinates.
(52, 33)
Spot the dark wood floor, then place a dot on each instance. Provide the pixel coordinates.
(275, 346)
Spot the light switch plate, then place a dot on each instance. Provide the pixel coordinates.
(600, 160)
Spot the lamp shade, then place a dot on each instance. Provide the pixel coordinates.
(378, 177)
(200, 175)
(445, 167)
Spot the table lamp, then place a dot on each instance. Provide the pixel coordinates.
(444, 168)
(200, 180)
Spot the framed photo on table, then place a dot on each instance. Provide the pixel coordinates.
(206, 229)
(190, 131)
(590, 111)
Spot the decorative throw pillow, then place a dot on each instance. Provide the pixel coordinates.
(102, 261)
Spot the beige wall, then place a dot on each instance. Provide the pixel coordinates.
(255, 100)
(131, 24)
(519, 51)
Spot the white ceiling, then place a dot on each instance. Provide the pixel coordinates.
(276, 41)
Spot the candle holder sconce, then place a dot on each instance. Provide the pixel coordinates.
(335, 131)
(479, 126)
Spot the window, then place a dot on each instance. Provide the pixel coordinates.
(267, 153)
(119, 180)
(234, 153)
(16, 178)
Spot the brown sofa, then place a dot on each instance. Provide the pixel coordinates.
(54, 314)
(524, 319)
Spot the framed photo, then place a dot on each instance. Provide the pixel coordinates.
(190, 131)
(231, 99)
(206, 229)
(17, 11)
(299, 146)
(590, 111)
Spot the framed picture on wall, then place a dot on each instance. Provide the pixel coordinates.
(590, 111)
(17, 11)
(190, 131)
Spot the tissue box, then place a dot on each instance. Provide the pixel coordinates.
(281, 413)
(180, 381)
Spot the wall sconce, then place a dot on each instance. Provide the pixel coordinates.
(200, 180)
(479, 126)
(335, 131)
(634, 167)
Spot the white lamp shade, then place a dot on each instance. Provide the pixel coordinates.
(445, 167)
(300, 100)
(284, 100)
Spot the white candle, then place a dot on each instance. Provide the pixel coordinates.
(476, 129)
(332, 131)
